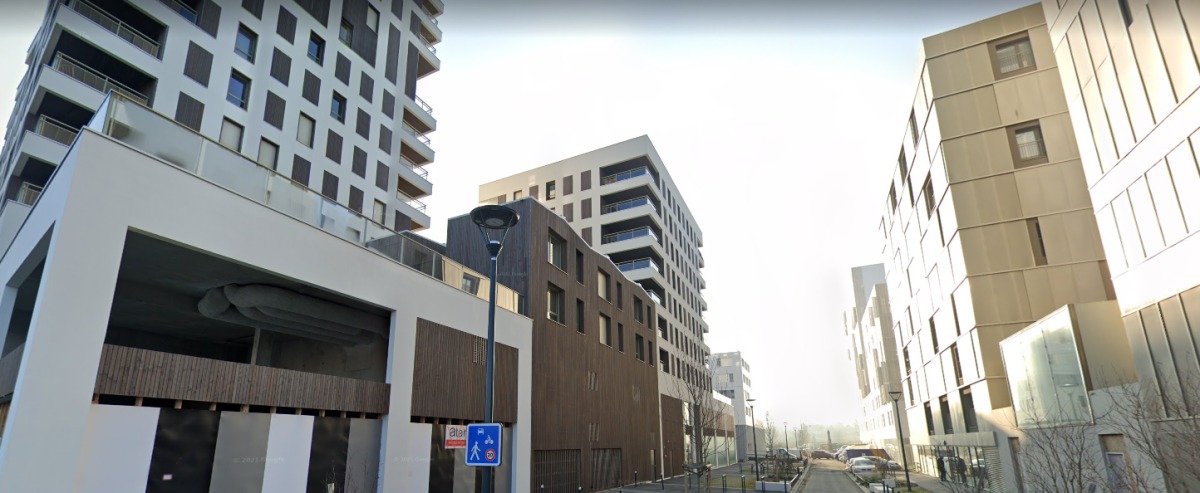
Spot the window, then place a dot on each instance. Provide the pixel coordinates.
(958, 375)
(337, 107)
(268, 154)
(602, 287)
(970, 422)
(933, 335)
(231, 135)
(912, 127)
(892, 197)
(927, 193)
(517, 195)
(620, 297)
(638, 313)
(580, 321)
(902, 161)
(1036, 242)
(907, 363)
(239, 90)
(555, 301)
(372, 18)
(1013, 57)
(304, 130)
(550, 190)
(1126, 13)
(1028, 146)
(379, 212)
(470, 284)
(245, 43)
(947, 421)
(664, 359)
(316, 48)
(346, 32)
(605, 331)
(620, 338)
(929, 419)
(557, 251)
(1116, 463)
(639, 350)
(579, 266)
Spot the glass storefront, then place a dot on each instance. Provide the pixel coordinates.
(968, 466)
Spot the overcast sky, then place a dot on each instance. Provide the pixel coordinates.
(779, 121)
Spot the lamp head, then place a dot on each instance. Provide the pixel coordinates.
(494, 222)
(895, 394)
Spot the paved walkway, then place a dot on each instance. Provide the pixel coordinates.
(829, 476)
(678, 484)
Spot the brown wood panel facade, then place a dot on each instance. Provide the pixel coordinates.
(154, 374)
(673, 433)
(450, 375)
(587, 395)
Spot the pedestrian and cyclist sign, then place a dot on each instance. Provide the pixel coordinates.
(483, 444)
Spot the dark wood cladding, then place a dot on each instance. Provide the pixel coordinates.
(9, 366)
(153, 374)
(365, 40)
(587, 396)
(672, 422)
(319, 9)
(197, 65)
(450, 373)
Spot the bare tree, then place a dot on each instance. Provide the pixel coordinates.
(1161, 426)
(706, 414)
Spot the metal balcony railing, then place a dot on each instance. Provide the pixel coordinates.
(416, 204)
(117, 26)
(425, 106)
(642, 263)
(183, 9)
(428, 12)
(628, 235)
(420, 170)
(410, 130)
(628, 204)
(55, 130)
(624, 175)
(97, 80)
(28, 194)
(1031, 149)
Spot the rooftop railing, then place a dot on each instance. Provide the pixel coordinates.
(163, 139)
(642, 263)
(628, 235)
(94, 78)
(624, 175)
(117, 26)
(628, 204)
(55, 130)
(420, 170)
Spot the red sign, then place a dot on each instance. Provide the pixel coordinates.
(456, 436)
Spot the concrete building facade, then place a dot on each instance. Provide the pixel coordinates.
(869, 329)
(731, 378)
(988, 227)
(623, 203)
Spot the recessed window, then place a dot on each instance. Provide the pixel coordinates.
(239, 90)
(516, 195)
(1013, 57)
(337, 107)
(304, 130)
(639, 349)
(602, 285)
(379, 212)
(579, 266)
(580, 321)
(555, 304)
(316, 48)
(912, 127)
(268, 154)
(927, 194)
(231, 135)
(469, 283)
(550, 192)
(346, 32)
(245, 43)
(557, 251)
(620, 338)
(1036, 242)
(638, 308)
(372, 18)
(605, 331)
(1028, 145)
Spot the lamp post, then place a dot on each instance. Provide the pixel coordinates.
(786, 448)
(754, 431)
(494, 222)
(895, 395)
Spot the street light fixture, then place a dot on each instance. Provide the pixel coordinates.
(895, 395)
(494, 222)
(754, 431)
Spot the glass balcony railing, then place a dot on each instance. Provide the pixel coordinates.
(55, 130)
(416, 204)
(29, 193)
(163, 139)
(642, 263)
(624, 175)
(420, 170)
(411, 130)
(628, 204)
(656, 298)
(74, 69)
(628, 235)
(117, 26)
(184, 10)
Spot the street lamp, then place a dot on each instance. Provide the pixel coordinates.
(494, 222)
(754, 431)
(895, 394)
(786, 448)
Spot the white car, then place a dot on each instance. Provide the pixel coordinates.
(861, 464)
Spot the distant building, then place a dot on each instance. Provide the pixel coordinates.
(731, 378)
(873, 353)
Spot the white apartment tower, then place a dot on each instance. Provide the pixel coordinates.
(731, 378)
(323, 92)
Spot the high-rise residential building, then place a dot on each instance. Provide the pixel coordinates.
(872, 351)
(731, 378)
(323, 92)
(622, 202)
(1132, 81)
(183, 311)
(595, 375)
(988, 227)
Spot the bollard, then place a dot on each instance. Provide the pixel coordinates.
(635, 478)
(743, 483)
(542, 488)
(723, 485)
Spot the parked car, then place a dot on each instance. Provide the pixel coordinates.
(893, 465)
(822, 454)
(861, 464)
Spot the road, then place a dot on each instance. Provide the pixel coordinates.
(829, 476)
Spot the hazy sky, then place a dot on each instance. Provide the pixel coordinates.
(779, 121)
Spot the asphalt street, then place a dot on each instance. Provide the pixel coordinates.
(829, 476)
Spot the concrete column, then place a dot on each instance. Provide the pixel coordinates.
(49, 412)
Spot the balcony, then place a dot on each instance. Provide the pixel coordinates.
(628, 235)
(117, 26)
(28, 193)
(624, 175)
(628, 204)
(424, 106)
(412, 202)
(644, 263)
(55, 130)
(412, 131)
(183, 9)
(94, 78)
(163, 139)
